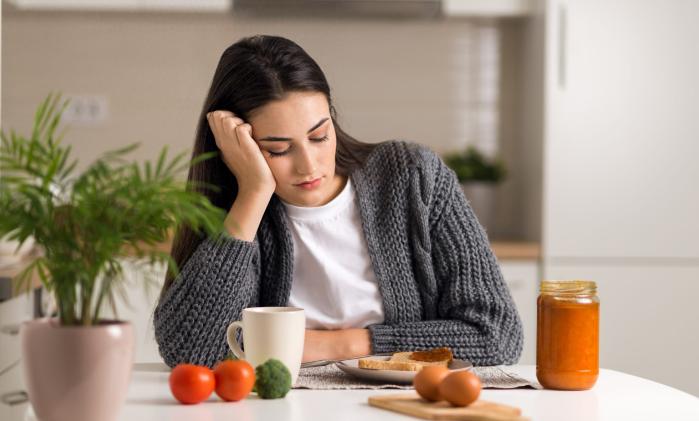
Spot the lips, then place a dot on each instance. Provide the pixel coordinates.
(309, 185)
(308, 182)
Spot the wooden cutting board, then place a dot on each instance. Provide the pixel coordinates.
(412, 404)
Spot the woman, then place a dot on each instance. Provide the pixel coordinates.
(376, 242)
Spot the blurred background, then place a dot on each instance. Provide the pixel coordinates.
(590, 106)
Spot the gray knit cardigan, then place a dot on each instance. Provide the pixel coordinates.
(439, 280)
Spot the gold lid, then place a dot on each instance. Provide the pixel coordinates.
(572, 286)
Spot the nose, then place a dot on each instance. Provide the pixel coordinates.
(305, 162)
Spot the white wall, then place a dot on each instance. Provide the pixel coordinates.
(441, 83)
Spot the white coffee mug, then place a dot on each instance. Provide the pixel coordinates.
(270, 332)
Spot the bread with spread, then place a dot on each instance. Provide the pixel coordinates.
(410, 361)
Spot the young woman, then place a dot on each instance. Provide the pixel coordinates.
(375, 241)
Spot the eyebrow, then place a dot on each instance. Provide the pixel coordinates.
(286, 139)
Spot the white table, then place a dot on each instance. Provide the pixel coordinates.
(616, 396)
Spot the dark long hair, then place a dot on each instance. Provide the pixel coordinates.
(251, 73)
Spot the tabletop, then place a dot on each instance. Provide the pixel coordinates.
(616, 396)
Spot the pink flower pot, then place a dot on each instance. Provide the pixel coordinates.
(75, 373)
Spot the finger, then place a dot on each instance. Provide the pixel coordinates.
(236, 120)
(222, 117)
(230, 123)
(244, 133)
(225, 114)
(216, 118)
(229, 127)
(212, 127)
(211, 118)
(218, 138)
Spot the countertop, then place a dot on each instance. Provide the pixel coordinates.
(516, 250)
(616, 396)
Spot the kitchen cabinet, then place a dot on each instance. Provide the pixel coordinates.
(189, 5)
(490, 8)
(618, 130)
(648, 319)
(522, 278)
(450, 8)
(125, 5)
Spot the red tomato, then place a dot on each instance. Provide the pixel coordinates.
(191, 383)
(234, 379)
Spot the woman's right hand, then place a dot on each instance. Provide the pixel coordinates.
(240, 152)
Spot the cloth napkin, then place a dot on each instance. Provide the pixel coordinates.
(331, 377)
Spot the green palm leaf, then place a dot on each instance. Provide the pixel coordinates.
(84, 224)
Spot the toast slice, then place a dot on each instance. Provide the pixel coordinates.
(374, 364)
(409, 361)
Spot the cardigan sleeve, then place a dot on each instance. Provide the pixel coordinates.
(478, 319)
(218, 281)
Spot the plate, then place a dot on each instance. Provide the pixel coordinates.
(351, 367)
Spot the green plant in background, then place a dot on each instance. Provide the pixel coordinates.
(86, 225)
(472, 165)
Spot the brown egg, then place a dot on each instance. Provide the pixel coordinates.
(427, 381)
(460, 388)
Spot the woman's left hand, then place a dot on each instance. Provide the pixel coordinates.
(336, 344)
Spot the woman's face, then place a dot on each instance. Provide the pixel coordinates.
(297, 139)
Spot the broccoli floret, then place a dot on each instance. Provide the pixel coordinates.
(272, 379)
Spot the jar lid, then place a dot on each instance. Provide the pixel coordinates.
(573, 286)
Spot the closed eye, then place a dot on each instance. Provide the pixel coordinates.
(276, 154)
(320, 139)
(282, 153)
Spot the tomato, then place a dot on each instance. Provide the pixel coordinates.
(191, 383)
(234, 379)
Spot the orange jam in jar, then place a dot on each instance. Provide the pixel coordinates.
(567, 340)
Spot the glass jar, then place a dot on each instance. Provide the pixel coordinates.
(567, 340)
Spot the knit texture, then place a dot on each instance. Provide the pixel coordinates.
(439, 280)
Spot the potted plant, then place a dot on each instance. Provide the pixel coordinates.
(479, 177)
(77, 366)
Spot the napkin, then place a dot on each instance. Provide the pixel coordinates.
(331, 377)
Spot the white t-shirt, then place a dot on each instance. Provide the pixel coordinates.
(333, 280)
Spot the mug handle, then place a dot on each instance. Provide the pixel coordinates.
(230, 338)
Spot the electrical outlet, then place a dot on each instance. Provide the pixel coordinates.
(86, 110)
